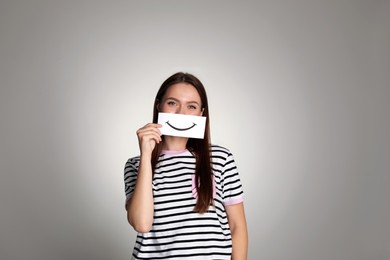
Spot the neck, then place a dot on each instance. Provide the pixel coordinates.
(174, 143)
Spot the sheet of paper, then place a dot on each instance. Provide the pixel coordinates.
(182, 125)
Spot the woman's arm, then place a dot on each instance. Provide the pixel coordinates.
(140, 208)
(238, 229)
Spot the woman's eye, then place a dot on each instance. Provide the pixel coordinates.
(171, 103)
(192, 107)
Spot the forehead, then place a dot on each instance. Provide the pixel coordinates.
(182, 91)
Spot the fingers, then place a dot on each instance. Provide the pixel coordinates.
(148, 136)
(151, 131)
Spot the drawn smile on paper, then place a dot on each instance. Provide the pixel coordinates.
(180, 129)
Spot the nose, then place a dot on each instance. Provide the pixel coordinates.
(181, 110)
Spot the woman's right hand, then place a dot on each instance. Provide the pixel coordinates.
(148, 137)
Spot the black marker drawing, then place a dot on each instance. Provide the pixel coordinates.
(180, 129)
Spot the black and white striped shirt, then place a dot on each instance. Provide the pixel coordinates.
(178, 232)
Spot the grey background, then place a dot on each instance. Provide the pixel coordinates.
(299, 91)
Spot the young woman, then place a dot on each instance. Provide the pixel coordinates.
(183, 195)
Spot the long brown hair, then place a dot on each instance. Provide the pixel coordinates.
(200, 148)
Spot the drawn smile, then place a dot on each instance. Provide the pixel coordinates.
(181, 129)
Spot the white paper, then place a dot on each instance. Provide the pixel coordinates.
(182, 125)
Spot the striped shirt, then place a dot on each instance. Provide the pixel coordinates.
(178, 232)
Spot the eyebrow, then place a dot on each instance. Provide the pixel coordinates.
(189, 102)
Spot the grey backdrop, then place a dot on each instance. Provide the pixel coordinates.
(299, 91)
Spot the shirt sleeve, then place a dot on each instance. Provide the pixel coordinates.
(231, 183)
(130, 176)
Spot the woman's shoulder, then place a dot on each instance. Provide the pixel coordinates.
(133, 161)
(219, 149)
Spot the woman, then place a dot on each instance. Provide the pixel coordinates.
(183, 195)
